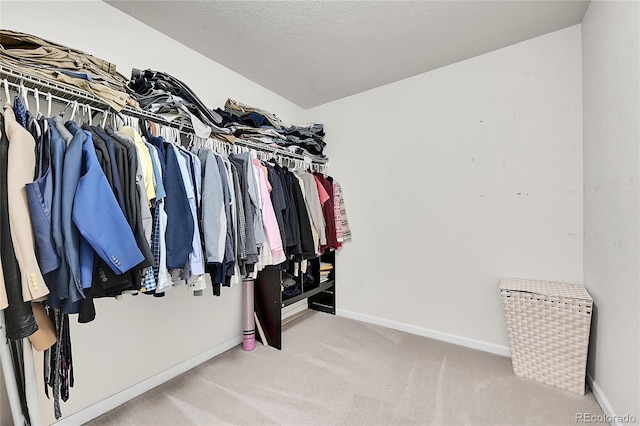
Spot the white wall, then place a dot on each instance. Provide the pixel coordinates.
(611, 203)
(134, 339)
(457, 177)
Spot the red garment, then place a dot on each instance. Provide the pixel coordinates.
(328, 211)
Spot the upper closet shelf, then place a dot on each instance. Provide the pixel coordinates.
(68, 93)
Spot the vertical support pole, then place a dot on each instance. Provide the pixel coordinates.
(9, 375)
(248, 321)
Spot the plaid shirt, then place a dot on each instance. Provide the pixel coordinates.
(148, 281)
(346, 231)
(242, 227)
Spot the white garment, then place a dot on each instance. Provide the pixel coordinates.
(315, 208)
(314, 231)
(164, 278)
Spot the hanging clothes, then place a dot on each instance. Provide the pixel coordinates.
(19, 318)
(269, 220)
(325, 187)
(250, 214)
(214, 218)
(21, 164)
(315, 207)
(40, 199)
(158, 240)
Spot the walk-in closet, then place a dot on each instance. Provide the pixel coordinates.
(319, 212)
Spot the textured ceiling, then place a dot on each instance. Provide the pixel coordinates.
(313, 52)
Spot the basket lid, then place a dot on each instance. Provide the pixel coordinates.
(546, 288)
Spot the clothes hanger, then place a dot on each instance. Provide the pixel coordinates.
(90, 118)
(105, 116)
(49, 101)
(6, 90)
(82, 112)
(74, 110)
(36, 96)
(114, 121)
(23, 94)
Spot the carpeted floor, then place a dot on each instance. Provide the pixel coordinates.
(337, 371)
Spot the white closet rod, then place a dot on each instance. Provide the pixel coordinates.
(66, 94)
(263, 153)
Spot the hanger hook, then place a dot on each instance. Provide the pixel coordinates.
(90, 115)
(104, 118)
(36, 96)
(49, 100)
(6, 89)
(74, 110)
(23, 94)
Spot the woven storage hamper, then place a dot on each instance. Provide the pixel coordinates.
(548, 325)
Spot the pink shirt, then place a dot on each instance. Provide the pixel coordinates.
(269, 221)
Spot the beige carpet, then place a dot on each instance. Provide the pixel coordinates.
(336, 371)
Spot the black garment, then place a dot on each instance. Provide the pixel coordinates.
(102, 153)
(20, 322)
(122, 164)
(306, 236)
(115, 171)
(130, 169)
(17, 359)
(58, 362)
(293, 245)
(227, 119)
(278, 200)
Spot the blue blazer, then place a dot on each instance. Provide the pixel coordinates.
(100, 219)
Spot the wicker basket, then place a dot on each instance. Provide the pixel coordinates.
(548, 325)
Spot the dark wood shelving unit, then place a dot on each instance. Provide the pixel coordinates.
(269, 299)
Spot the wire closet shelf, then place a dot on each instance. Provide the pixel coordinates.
(65, 93)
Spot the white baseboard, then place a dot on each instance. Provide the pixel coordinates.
(602, 400)
(120, 398)
(432, 334)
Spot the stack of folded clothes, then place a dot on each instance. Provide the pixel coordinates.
(35, 56)
(256, 124)
(162, 94)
